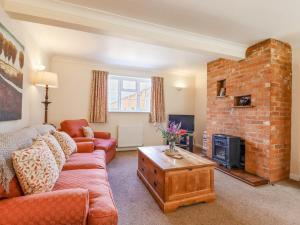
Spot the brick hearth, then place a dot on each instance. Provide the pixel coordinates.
(266, 75)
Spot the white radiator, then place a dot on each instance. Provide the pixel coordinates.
(130, 136)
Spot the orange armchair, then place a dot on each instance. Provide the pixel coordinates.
(101, 140)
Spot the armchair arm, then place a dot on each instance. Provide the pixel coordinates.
(85, 147)
(103, 135)
(57, 207)
(83, 139)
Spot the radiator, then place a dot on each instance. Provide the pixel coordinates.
(130, 136)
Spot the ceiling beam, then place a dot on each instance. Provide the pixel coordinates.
(56, 13)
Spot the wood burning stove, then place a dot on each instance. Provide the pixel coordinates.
(226, 150)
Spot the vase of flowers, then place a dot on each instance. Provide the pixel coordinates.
(172, 134)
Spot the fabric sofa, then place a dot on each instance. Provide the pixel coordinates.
(101, 140)
(81, 195)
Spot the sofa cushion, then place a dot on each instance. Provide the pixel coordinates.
(14, 189)
(56, 150)
(102, 209)
(94, 160)
(74, 127)
(67, 144)
(36, 168)
(88, 132)
(105, 144)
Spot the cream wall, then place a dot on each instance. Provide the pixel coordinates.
(200, 104)
(71, 99)
(295, 157)
(32, 111)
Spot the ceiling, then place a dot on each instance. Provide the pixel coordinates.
(156, 34)
(241, 21)
(112, 50)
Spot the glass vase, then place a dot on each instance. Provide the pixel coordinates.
(172, 146)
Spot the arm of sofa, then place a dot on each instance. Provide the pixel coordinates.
(55, 207)
(103, 135)
(85, 147)
(83, 139)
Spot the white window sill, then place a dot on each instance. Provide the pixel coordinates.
(127, 112)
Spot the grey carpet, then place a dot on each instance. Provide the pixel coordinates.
(237, 203)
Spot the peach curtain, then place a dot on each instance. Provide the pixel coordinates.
(157, 114)
(98, 110)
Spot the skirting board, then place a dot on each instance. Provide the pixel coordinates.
(127, 149)
(295, 177)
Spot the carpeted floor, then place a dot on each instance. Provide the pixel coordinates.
(237, 203)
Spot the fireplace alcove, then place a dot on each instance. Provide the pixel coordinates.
(265, 124)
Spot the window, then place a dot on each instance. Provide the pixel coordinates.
(128, 94)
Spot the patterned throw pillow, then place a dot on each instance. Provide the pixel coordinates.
(36, 168)
(88, 132)
(56, 150)
(67, 144)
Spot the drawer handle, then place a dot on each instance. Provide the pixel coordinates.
(155, 184)
(143, 159)
(155, 171)
(190, 169)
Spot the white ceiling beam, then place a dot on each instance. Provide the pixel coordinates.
(89, 20)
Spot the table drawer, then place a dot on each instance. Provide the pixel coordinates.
(153, 174)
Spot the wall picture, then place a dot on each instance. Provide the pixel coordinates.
(11, 76)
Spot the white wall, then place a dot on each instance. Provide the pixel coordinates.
(71, 99)
(200, 104)
(295, 156)
(32, 111)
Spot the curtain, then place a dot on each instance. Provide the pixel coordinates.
(157, 114)
(98, 108)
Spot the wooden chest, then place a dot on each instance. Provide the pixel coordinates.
(176, 182)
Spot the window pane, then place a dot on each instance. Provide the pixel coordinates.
(129, 84)
(129, 94)
(113, 94)
(145, 92)
(128, 101)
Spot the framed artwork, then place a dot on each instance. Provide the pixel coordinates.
(11, 76)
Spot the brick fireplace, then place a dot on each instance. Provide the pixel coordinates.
(264, 122)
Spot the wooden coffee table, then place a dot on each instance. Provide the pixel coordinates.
(176, 182)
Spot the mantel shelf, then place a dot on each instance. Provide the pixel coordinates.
(225, 96)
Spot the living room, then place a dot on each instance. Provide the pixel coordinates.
(116, 73)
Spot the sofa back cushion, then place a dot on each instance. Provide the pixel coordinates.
(56, 150)
(10, 142)
(67, 144)
(36, 168)
(74, 127)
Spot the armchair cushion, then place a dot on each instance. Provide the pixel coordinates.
(47, 208)
(105, 144)
(88, 132)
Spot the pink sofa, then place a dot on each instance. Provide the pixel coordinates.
(102, 140)
(81, 195)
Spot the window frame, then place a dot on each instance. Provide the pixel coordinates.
(137, 90)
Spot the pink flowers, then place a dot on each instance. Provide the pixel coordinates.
(172, 133)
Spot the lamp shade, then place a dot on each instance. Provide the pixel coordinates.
(44, 78)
